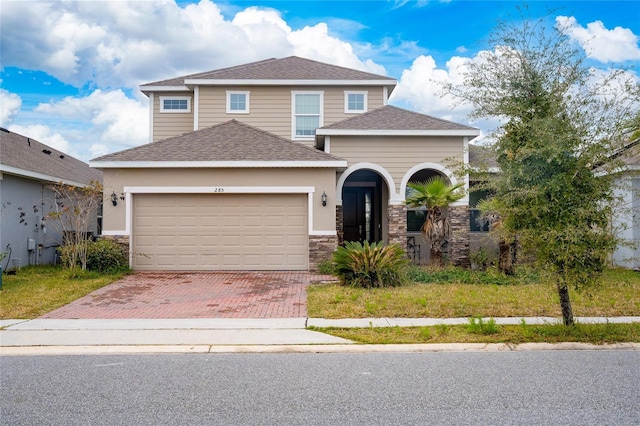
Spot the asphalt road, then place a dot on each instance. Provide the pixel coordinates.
(537, 387)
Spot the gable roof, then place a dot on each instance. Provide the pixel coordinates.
(391, 120)
(24, 156)
(289, 70)
(229, 144)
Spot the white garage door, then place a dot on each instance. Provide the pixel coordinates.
(220, 232)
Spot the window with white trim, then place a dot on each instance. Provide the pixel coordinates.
(237, 102)
(175, 103)
(355, 102)
(307, 113)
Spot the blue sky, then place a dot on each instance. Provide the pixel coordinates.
(70, 70)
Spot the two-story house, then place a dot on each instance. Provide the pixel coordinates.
(270, 165)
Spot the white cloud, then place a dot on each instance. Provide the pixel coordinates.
(113, 44)
(113, 120)
(9, 106)
(421, 84)
(616, 45)
(107, 45)
(420, 89)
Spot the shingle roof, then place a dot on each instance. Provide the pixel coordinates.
(228, 141)
(289, 68)
(393, 118)
(28, 155)
(481, 156)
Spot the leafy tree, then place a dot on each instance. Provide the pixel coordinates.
(561, 121)
(436, 194)
(507, 242)
(74, 209)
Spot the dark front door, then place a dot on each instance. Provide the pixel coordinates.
(359, 214)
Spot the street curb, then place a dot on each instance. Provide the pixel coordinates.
(391, 348)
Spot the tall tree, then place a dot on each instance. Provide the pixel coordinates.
(436, 195)
(561, 121)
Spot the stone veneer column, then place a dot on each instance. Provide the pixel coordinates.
(321, 247)
(460, 236)
(340, 224)
(397, 216)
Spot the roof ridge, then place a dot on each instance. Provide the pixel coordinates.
(364, 116)
(193, 75)
(336, 66)
(433, 117)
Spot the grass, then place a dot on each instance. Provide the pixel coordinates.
(36, 290)
(455, 293)
(515, 334)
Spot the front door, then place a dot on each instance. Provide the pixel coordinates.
(359, 214)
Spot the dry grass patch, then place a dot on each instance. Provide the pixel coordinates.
(467, 294)
(36, 290)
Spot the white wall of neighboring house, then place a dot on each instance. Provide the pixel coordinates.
(626, 223)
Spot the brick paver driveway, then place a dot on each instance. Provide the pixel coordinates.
(197, 295)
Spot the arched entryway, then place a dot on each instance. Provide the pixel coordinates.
(364, 192)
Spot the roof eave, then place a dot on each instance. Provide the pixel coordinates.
(159, 88)
(215, 164)
(392, 132)
(38, 176)
(278, 82)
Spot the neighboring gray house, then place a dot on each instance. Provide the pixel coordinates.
(26, 168)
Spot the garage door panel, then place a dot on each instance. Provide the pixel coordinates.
(220, 231)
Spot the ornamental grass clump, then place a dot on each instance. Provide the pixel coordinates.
(371, 265)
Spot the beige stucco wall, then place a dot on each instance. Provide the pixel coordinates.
(168, 124)
(322, 179)
(398, 154)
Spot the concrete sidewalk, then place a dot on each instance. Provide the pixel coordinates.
(85, 336)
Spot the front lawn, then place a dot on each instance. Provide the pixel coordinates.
(36, 290)
(461, 293)
(514, 334)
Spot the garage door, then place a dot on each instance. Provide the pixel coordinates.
(220, 232)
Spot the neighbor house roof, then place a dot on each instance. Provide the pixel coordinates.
(482, 157)
(24, 156)
(229, 144)
(289, 70)
(391, 120)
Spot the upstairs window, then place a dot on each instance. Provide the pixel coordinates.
(355, 102)
(237, 102)
(175, 104)
(307, 113)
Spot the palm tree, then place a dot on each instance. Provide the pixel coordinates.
(436, 194)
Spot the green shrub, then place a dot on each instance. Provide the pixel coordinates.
(371, 265)
(106, 256)
(326, 267)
